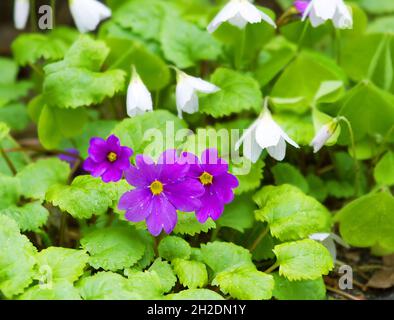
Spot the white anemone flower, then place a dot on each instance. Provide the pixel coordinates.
(328, 240)
(323, 135)
(139, 99)
(21, 13)
(319, 11)
(87, 14)
(239, 13)
(265, 133)
(186, 92)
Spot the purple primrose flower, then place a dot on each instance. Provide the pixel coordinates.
(160, 190)
(68, 156)
(212, 173)
(107, 158)
(301, 5)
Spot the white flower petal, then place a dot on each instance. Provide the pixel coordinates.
(330, 245)
(21, 13)
(249, 12)
(315, 20)
(251, 149)
(184, 94)
(229, 11)
(339, 240)
(278, 152)
(319, 236)
(201, 85)
(324, 9)
(268, 133)
(139, 99)
(87, 14)
(321, 138)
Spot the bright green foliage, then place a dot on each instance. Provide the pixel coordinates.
(37, 178)
(85, 197)
(17, 258)
(165, 273)
(9, 191)
(29, 217)
(299, 290)
(222, 256)
(136, 134)
(291, 214)
(191, 274)
(303, 260)
(245, 283)
(251, 180)
(384, 170)
(79, 72)
(195, 294)
(188, 224)
(113, 248)
(146, 285)
(173, 247)
(63, 264)
(285, 173)
(238, 92)
(62, 290)
(368, 221)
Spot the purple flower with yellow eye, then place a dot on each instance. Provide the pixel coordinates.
(107, 158)
(212, 173)
(70, 156)
(160, 190)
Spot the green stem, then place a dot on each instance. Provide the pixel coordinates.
(338, 48)
(258, 239)
(45, 238)
(157, 98)
(215, 233)
(241, 50)
(354, 151)
(53, 7)
(33, 17)
(272, 268)
(8, 161)
(302, 36)
(63, 229)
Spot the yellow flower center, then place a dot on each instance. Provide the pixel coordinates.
(156, 187)
(206, 178)
(112, 156)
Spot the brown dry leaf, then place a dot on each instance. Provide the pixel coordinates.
(388, 261)
(382, 279)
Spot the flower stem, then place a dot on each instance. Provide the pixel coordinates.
(33, 17)
(354, 151)
(272, 268)
(8, 161)
(258, 239)
(241, 51)
(337, 36)
(53, 7)
(302, 36)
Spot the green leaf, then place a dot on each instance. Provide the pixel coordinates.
(38, 177)
(85, 197)
(84, 87)
(245, 283)
(303, 260)
(384, 170)
(56, 124)
(239, 214)
(188, 224)
(368, 221)
(29, 217)
(17, 258)
(19, 159)
(299, 128)
(188, 47)
(249, 174)
(15, 116)
(165, 273)
(285, 173)
(63, 264)
(141, 132)
(9, 191)
(10, 92)
(62, 290)
(195, 294)
(172, 247)
(222, 256)
(238, 92)
(146, 285)
(317, 188)
(152, 69)
(106, 286)
(304, 76)
(30, 48)
(9, 70)
(377, 6)
(191, 274)
(4, 130)
(291, 214)
(299, 290)
(113, 248)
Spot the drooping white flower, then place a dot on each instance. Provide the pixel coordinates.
(21, 13)
(319, 11)
(186, 92)
(87, 14)
(139, 99)
(323, 135)
(264, 133)
(328, 240)
(239, 13)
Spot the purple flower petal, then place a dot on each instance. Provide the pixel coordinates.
(185, 195)
(137, 204)
(96, 169)
(211, 207)
(301, 5)
(112, 174)
(212, 163)
(98, 149)
(163, 216)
